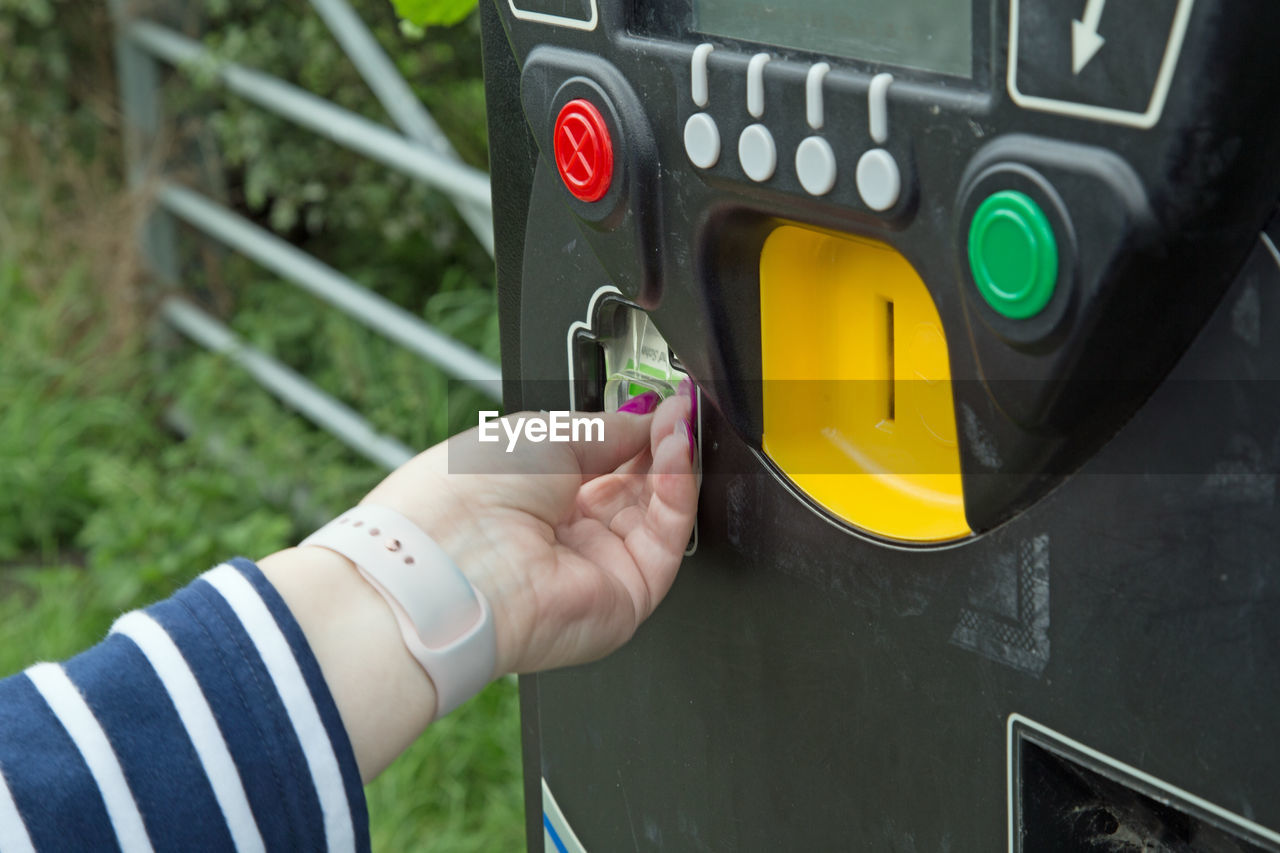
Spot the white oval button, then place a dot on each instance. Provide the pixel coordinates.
(879, 181)
(816, 165)
(757, 153)
(702, 140)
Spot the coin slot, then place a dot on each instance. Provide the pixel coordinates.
(891, 385)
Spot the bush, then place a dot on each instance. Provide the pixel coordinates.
(103, 506)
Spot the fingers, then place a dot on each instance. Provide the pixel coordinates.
(658, 535)
(601, 548)
(625, 431)
(649, 510)
(673, 504)
(605, 498)
(673, 411)
(620, 436)
(625, 435)
(618, 556)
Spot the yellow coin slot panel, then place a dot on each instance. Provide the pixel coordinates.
(858, 410)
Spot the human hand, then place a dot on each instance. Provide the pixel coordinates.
(573, 544)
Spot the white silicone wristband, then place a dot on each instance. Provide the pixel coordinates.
(444, 620)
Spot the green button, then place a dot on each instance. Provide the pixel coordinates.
(1013, 254)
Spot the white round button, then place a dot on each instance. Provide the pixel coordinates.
(757, 153)
(879, 182)
(702, 140)
(816, 165)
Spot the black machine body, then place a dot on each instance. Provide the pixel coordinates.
(1089, 659)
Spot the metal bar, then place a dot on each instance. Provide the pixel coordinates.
(240, 460)
(391, 90)
(335, 288)
(139, 80)
(301, 107)
(319, 407)
(380, 73)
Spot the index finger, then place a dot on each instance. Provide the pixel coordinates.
(619, 438)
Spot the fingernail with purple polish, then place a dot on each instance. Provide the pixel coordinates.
(684, 427)
(690, 390)
(642, 404)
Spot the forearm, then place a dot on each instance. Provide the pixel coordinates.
(247, 709)
(203, 721)
(383, 695)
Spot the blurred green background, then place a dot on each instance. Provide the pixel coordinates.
(130, 461)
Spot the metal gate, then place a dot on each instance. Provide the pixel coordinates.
(418, 149)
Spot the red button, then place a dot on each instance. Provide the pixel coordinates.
(584, 152)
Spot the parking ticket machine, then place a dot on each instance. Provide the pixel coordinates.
(982, 299)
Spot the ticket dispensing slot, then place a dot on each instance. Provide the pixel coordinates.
(621, 355)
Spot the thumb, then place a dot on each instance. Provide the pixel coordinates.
(620, 436)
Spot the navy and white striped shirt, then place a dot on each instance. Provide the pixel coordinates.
(200, 723)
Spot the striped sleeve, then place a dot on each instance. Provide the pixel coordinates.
(200, 723)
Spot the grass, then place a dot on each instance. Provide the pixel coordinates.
(103, 507)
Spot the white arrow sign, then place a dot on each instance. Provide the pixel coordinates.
(1085, 41)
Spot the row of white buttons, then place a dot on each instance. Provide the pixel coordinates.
(878, 178)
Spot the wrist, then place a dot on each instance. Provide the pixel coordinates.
(383, 695)
(462, 534)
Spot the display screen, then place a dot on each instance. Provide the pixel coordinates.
(933, 35)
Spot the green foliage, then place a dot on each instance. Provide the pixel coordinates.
(55, 421)
(46, 46)
(307, 187)
(103, 506)
(397, 237)
(458, 788)
(423, 13)
(89, 478)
